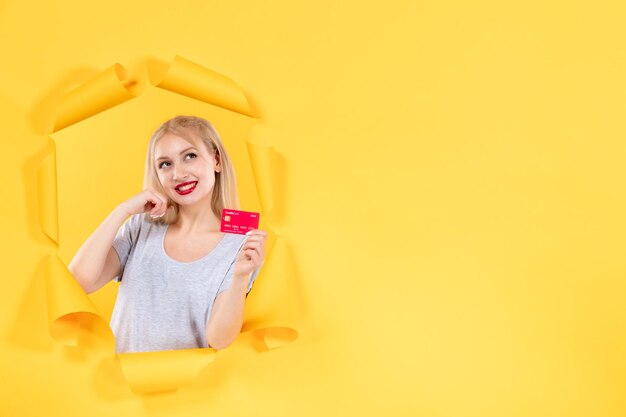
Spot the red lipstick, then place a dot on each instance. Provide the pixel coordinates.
(188, 191)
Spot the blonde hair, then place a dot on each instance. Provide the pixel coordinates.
(194, 129)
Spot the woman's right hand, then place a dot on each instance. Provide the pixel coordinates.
(147, 200)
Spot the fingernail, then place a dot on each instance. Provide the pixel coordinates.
(248, 232)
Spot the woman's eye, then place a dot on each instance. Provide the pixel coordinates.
(193, 155)
(162, 164)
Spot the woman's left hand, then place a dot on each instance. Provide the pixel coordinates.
(251, 255)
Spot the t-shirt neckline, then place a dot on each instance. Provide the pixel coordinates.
(169, 258)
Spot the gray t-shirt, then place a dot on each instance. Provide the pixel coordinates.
(164, 304)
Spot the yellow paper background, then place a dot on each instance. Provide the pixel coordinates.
(453, 197)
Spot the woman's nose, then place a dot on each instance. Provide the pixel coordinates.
(178, 173)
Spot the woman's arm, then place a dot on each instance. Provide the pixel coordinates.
(96, 262)
(97, 255)
(227, 314)
(227, 311)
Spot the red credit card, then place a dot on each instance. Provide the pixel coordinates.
(239, 222)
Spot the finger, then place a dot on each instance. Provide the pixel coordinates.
(257, 232)
(152, 200)
(243, 250)
(148, 206)
(254, 256)
(249, 254)
(253, 245)
(258, 244)
(259, 253)
(261, 249)
(157, 211)
(160, 204)
(257, 260)
(255, 238)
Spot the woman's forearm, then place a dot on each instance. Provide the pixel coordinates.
(88, 262)
(227, 315)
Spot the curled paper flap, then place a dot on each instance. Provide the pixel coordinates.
(47, 196)
(195, 81)
(272, 309)
(107, 89)
(262, 159)
(71, 313)
(164, 370)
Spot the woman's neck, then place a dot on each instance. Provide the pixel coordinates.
(195, 219)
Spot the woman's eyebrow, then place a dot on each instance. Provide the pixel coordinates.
(181, 152)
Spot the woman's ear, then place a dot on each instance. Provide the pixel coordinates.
(218, 165)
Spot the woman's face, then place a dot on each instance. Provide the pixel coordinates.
(186, 170)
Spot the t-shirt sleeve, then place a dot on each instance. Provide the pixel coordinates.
(126, 238)
(229, 278)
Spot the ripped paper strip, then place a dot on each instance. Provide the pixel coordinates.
(107, 89)
(72, 315)
(47, 196)
(271, 309)
(177, 368)
(263, 165)
(192, 80)
(273, 312)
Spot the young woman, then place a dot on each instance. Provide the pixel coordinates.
(183, 283)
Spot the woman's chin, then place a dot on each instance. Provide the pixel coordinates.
(191, 200)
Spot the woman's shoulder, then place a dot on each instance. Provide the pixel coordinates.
(139, 222)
